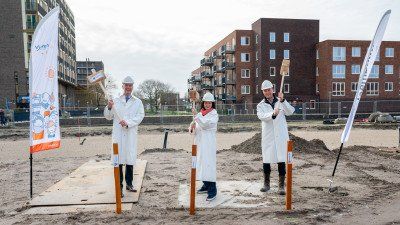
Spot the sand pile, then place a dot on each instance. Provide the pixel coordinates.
(253, 145)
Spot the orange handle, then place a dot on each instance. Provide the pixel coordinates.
(289, 166)
(193, 181)
(116, 179)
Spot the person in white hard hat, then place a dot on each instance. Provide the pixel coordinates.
(205, 129)
(131, 112)
(272, 112)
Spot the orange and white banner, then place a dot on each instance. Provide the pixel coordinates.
(43, 85)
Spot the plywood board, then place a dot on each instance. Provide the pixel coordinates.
(92, 183)
(232, 194)
(50, 210)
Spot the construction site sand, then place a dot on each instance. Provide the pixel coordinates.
(367, 177)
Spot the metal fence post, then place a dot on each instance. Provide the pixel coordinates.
(161, 114)
(339, 109)
(304, 110)
(88, 114)
(375, 109)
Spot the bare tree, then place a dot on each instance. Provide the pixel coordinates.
(154, 92)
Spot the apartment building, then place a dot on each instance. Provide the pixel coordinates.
(339, 65)
(234, 68)
(19, 19)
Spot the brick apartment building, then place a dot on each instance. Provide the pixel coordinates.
(19, 19)
(326, 71)
(339, 64)
(235, 67)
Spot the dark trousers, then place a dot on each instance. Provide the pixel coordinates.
(128, 175)
(281, 168)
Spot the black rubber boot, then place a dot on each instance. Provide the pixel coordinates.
(281, 189)
(266, 183)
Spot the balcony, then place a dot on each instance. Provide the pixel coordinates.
(206, 74)
(230, 82)
(227, 97)
(230, 98)
(229, 49)
(228, 65)
(207, 87)
(206, 62)
(218, 83)
(30, 6)
(218, 69)
(196, 78)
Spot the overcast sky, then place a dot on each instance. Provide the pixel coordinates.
(165, 40)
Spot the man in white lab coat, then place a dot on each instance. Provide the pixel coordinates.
(127, 112)
(272, 112)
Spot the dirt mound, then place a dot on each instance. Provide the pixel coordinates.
(253, 145)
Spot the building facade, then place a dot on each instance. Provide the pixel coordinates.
(339, 64)
(85, 93)
(235, 67)
(19, 19)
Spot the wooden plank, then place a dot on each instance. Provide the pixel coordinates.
(50, 210)
(92, 183)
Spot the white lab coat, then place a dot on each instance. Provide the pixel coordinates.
(133, 113)
(274, 134)
(206, 141)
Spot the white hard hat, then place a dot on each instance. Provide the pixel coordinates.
(128, 80)
(266, 84)
(208, 97)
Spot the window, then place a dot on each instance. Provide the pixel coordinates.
(286, 54)
(272, 54)
(389, 52)
(245, 89)
(355, 69)
(257, 90)
(286, 88)
(274, 88)
(338, 71)
(317, 88)
(256, 38)
(271, 36)
(272, 71)
(388, 86)
(372, 88)
(245, 57)
(257, 72)
(316, 72)
(338, 89)
(339, 54)
(245, 40)
(354, 86)
(312, 104)
(388, 69)
(31, 21)
(286, 37)
(374, 72)
(245, 73)
(256, 55)
(317, 54)
(355, 51)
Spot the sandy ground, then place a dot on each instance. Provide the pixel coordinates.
(368, 179)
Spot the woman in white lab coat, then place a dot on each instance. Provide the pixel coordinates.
(205, 129)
